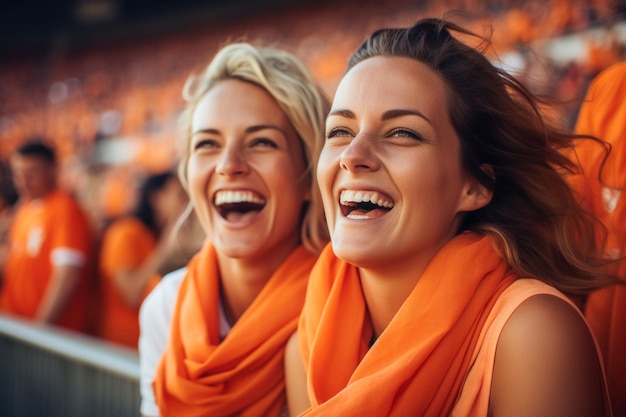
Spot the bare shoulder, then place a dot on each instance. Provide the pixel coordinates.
(546, 363)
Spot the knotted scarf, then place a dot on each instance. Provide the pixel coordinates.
(418, 364)
(243, 374)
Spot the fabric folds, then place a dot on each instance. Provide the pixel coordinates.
(419, 363)
(243, 375)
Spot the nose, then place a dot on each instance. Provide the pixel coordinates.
(232, 163)
(359, 155)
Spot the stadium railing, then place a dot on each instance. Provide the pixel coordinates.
(49, 371)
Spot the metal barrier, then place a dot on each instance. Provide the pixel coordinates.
(48, 371)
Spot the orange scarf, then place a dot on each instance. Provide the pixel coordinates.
(603, 114)
(418, 364)
(243, 374)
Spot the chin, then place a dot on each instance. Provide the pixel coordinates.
(357, 256)
(237, 251)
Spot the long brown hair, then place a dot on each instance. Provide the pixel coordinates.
(534, 218)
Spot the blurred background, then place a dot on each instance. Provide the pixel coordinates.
(103, 78)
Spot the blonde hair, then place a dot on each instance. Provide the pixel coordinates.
(289, 82)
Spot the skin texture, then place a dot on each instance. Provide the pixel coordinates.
(389, 137)
(546, 364)
(243, 142)
(384, 138)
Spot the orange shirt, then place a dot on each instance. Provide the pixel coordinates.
(242, 375)
(126, 244)
(474, 398)
(603, 114)
(47, 230)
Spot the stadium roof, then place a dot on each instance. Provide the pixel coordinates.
(39, 25)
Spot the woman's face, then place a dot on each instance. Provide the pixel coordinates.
(390, 171)
(246, 172)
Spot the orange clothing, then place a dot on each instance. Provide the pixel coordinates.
(418, 364)
(242, 375)
(603, 114)
(126, 244)
(474, 398)
(43, 230)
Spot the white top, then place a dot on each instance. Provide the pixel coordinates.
(155, 318)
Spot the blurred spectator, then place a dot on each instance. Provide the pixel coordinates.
(133, 249)
(120, 92)
(8, 198)
(603, 114)
(47, 267)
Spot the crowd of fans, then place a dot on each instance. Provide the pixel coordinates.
(112, 110)
(88, 148)
(65, 95)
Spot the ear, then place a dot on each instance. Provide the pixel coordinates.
(476, 195)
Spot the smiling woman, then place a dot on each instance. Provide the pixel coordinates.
(455, 245)
(252, 133)
(247, 177)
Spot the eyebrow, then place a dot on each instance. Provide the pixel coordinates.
(251, 129)
(388, 115)
(391, 114)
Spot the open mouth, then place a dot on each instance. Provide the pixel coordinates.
(364, 204)
(233, 205)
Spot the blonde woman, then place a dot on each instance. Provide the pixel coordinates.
(253, 130)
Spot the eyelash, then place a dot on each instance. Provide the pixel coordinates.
(205, 142)
(403, 132)
(265, 141)
(210, 143)
(406, 133)
(334, 132)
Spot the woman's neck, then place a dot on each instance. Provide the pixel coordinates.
(241, 281)
(384, 297)
(385, 289)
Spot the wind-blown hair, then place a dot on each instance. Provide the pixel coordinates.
(533, 217)
(289, 82)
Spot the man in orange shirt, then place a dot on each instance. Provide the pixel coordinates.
(601, 187)
(45, 272)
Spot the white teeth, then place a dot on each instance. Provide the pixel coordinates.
(349, 196)
(231, 197)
